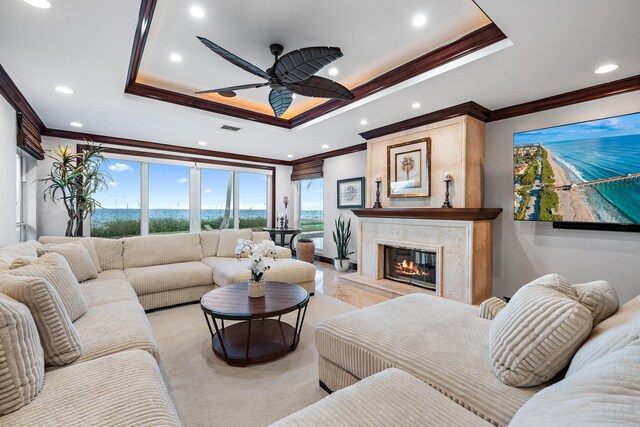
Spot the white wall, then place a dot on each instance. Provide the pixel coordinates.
(52, 217)
(8, 234)
(526, 250)
(335, 168)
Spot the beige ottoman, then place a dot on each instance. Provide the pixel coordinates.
(389, 398)
(229, 271)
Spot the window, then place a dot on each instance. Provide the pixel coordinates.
(253, 200)
(178, 197)
(120, 212)
(168, 198)
(216, 199)
(311, 211)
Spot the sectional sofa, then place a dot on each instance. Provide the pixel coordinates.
(424, 360)
(113, 377)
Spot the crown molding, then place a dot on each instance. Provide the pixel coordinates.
(616, 87)
(147, 145)
(465, 45)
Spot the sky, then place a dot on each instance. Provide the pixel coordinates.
(169, 187)
(311, 195)
(613, 126)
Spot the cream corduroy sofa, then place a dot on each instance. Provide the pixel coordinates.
(424, 360)
(166, 270)
(116, 380)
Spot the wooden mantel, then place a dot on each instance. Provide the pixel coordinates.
(447, 214)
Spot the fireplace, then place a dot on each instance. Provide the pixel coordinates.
(415, 267)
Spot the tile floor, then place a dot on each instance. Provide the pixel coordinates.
(327, 283)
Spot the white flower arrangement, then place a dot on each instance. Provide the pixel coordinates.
(256, 253)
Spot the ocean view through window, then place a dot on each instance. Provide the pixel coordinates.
(253, 200)
(311, 211)
(168, 199)
(158, 198)
(120, 212)
(216, 199)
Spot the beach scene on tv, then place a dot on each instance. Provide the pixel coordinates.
(582, 172)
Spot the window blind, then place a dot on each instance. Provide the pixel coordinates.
(311, 169)
(29, 138)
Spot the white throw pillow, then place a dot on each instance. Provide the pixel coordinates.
(599, 297)
(77, 256)
(616, 333)
(21, 356)
(537, 333)
(605, 393)
(58, 336)
(55, 270)
(229, 240)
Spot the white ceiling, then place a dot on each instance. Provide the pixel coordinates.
(372, 43)
(86, 45)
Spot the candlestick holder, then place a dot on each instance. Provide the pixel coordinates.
(377, 204)
(286, 217)
(447, 181)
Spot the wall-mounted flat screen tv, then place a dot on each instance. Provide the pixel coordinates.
(586, 172)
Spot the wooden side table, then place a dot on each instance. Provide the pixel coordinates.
(283, 233)
(257, 338)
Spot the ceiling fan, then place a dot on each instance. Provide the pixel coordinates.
(290, 73)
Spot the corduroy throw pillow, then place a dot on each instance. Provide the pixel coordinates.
(537, 333)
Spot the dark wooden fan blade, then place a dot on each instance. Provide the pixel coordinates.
(280, 99)
(233, 88)
(319, 87)
(303, 63)
(235, 60)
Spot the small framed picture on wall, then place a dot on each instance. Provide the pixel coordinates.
(409, 169)
(351, 193)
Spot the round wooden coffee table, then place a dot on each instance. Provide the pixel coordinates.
(256, 338)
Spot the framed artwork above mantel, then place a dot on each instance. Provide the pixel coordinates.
(409, 169)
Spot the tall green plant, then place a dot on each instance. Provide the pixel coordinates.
(74, 180)
(342, 237)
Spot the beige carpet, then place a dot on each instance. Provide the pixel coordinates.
(208, 392)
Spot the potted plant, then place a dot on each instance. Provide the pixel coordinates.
(257, 266)
(74, 179)
(342, 237)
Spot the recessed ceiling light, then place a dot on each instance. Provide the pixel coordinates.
(64, 89)
(42, 4)
(196, 12)
(415, 105)
(363, 122)
(606, 68)
(203, 143)
(175, 57)
(325, 146)
(75, 124)
(333, 71)
(419, 20)
(289, 156)
(294, 96)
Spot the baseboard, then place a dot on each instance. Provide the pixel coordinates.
(327, 260)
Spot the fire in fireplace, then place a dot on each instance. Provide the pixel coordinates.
(415, 267)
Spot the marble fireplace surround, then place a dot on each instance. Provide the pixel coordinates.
(462, 239)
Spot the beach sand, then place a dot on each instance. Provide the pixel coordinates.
(573, 204)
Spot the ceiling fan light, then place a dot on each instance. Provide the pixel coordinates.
(227, 93)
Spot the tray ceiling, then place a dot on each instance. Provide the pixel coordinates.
(372, 43)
